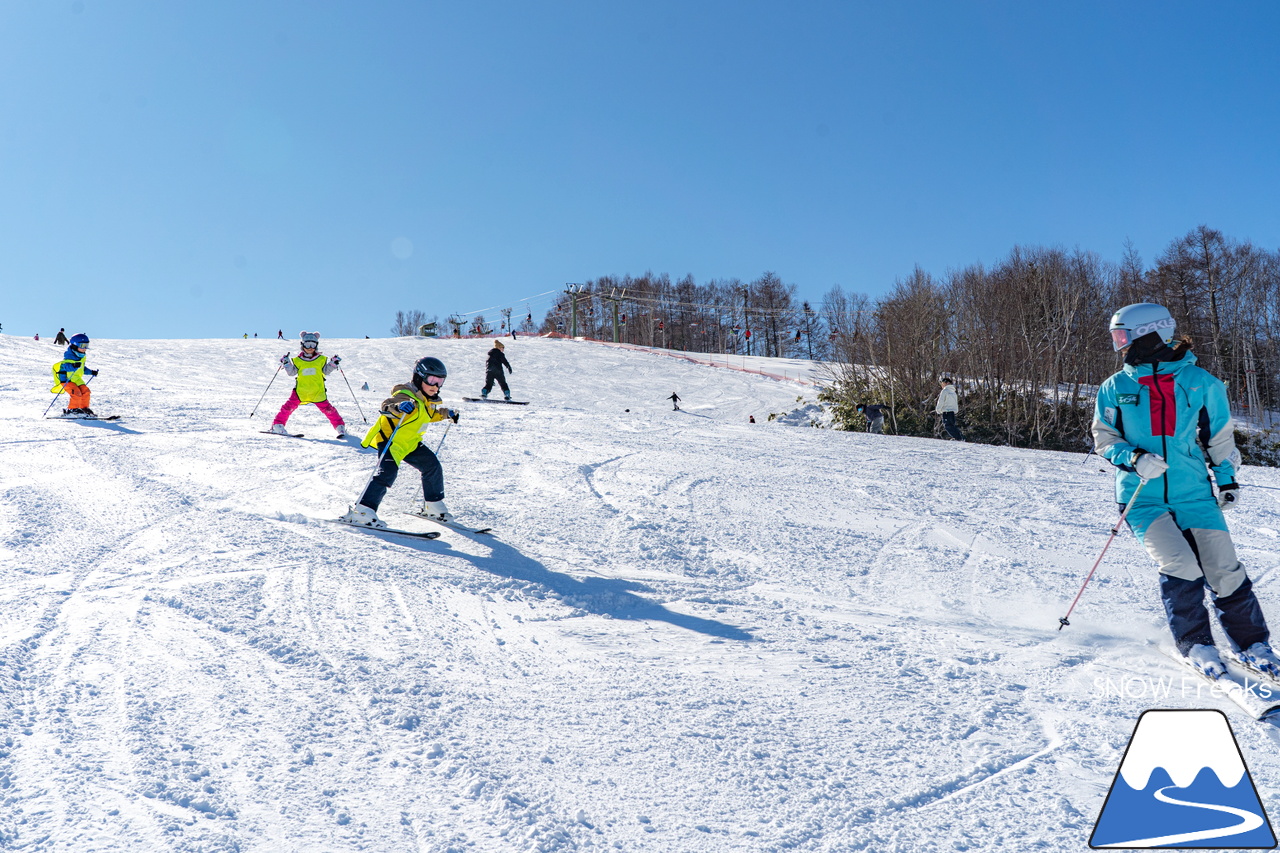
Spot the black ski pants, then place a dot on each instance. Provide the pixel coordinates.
(496, 376)
(421, 458)
(949, 424)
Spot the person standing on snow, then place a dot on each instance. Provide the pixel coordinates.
(497, 359)
(948, 406)
(310, 368)
(69, 376)
(61, 339)
(675, 401)
(405, 415)
(1163, 421)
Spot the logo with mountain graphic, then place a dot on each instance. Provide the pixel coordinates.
(1183, 784)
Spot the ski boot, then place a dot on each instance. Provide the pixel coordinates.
(1206, 659)
(342, 432)
(362, 516)
(278, 429)
(484, 395)
(436, 511)
(507, 397)
(1260, 658)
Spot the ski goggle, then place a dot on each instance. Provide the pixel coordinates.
(310, 344)
(437, 381)
(1120, 338)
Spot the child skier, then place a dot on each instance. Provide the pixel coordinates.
(1163, 420)
(493, 371)
(69, 376)
(405, 416)
(310, 368)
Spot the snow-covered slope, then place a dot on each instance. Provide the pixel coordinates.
(691, 633)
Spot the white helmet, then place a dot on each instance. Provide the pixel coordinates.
(1133, 321)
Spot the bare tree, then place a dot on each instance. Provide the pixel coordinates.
(407, 322)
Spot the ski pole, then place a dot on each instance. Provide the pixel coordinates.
(353, 396)
(59, 394)
(447, 427)
(1064, 621)
(264, 393)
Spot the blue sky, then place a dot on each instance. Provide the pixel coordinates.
(207, 169)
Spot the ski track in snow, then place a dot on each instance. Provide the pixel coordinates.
(689, 633)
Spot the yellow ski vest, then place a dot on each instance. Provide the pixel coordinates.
(310, 381)
(411, 426)
(75, 377)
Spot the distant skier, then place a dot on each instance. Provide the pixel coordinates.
(874, 413)
(751, 419)
(280, 334)
(1163, 420)
(69, 376)
(61, 339)
(497, 359)
(310, 368)
(675, 401)
(405, 416)
(948, 406)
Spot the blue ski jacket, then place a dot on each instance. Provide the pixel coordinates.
(1176, 409)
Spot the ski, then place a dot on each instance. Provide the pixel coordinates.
(82, 417)
(1256, 698)
(282, 435)
(452, 525)
(487, 400)
(413, 534)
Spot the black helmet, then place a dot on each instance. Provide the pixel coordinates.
(429, 366)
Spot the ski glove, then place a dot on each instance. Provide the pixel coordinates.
(336, 360)
(1150, 465)
(92, 372)
(1228, 495)
(453, 415)
(406, 407)
(284, 359)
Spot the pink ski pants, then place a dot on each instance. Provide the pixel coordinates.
(291, 405)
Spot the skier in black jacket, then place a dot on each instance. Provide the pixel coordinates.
(493, 371)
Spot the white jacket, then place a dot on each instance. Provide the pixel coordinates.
(948, 400)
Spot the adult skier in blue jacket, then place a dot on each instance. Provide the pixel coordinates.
(1165, 420)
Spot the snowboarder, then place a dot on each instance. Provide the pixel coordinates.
(1163, 419)
(61, 339)
(874, 413)
(68, 375)
(311, 368)
(675, 401)
(948, 405)
(493, 371)
(405, 415)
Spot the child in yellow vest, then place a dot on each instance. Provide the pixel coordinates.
(310, 368)
(406, 414)
(68, 375)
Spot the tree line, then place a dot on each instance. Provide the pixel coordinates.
(1025, 338)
